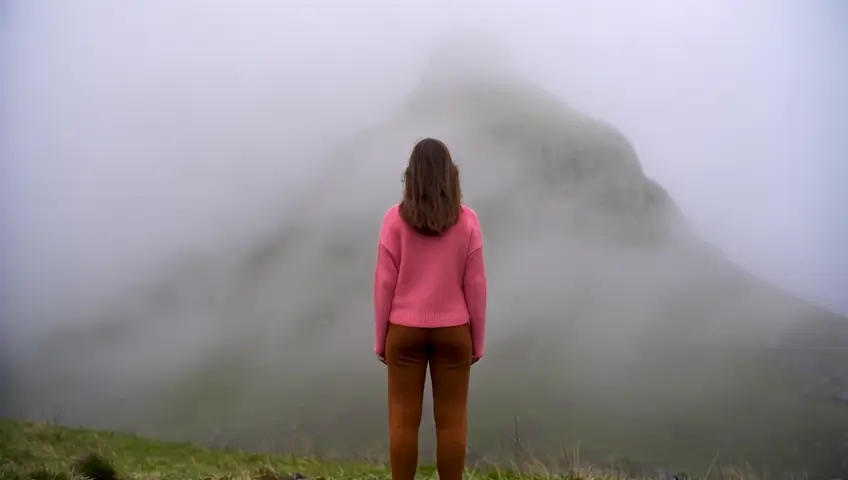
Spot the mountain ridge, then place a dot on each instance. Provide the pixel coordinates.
(608, 305)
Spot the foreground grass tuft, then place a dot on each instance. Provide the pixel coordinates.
(94, 467)
(43, 451)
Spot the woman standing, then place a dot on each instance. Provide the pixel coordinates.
(429, 309)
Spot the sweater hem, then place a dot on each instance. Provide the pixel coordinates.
(428, 321)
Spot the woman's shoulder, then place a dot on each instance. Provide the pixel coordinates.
(391, 216)
(470, 216)
(392, 211)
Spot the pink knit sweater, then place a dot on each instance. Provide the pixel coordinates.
(430, 282)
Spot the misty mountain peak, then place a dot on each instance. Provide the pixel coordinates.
(467, 58)
(583, 167)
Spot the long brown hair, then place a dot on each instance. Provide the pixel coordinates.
(431, 193)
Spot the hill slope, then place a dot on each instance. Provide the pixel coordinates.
(611, 323)
(42, 450)
(34, 447)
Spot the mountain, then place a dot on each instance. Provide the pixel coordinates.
(612, 323)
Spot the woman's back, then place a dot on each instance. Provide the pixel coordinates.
(432, 270)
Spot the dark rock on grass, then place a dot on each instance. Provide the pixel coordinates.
(267, 474)
(94, 467)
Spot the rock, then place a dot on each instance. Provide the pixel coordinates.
(267, 474)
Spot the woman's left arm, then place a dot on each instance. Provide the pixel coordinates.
(385, 280)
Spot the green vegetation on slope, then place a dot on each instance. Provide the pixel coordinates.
(44, 451)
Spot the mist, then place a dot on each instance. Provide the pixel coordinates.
(195, 191)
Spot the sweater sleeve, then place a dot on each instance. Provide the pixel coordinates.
(385, 280)
(474, 285)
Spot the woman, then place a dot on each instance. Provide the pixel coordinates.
(429, 308)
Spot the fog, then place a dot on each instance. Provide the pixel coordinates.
(192, 187)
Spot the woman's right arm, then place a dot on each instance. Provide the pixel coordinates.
(474, 285)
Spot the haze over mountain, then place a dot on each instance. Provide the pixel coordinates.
(612, 321)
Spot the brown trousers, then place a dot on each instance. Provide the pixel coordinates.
(408, 352)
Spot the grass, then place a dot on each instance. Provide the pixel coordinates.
(41, 451)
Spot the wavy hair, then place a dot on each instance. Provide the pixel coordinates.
(431, 195)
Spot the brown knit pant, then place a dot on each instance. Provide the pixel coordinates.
(448, 352)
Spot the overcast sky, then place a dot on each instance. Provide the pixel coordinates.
(738, 107)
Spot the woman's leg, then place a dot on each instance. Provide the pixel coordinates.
(450, 369)
(406, 356)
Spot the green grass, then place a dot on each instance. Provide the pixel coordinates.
(40, 451)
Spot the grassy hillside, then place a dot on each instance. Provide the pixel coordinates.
(612, 324)
(44, 451)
